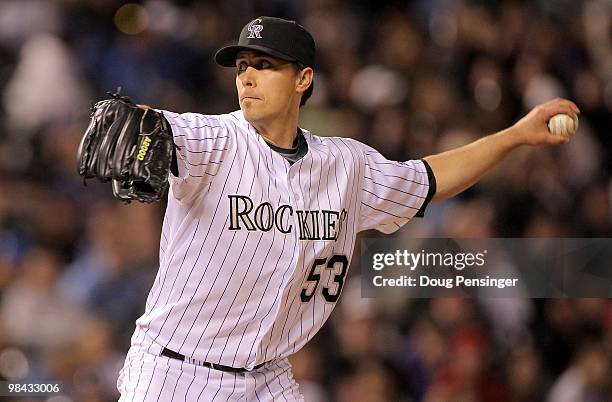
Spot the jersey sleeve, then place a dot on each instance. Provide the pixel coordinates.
(393, 192)
(201, 142)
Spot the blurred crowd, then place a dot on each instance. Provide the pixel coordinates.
(409, 78)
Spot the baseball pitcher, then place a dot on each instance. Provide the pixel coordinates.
(261, 219)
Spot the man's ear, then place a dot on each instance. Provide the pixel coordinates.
(305, 77)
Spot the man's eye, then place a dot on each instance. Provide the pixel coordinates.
(259, 65)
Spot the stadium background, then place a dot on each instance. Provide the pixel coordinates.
(409, 78)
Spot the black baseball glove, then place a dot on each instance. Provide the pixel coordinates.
(128, 145)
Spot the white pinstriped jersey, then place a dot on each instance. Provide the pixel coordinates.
(254, 250)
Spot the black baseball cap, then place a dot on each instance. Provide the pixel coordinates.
(276, 37)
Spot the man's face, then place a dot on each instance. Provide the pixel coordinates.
(266, 86)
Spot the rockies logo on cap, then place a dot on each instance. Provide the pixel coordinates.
(255, 30)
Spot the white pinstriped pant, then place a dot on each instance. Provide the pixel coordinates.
(146, 376)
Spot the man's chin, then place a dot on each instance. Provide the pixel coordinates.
(250, 115)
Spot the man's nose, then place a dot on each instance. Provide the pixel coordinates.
(248, 77)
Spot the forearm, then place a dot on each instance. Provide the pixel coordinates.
(460, 168)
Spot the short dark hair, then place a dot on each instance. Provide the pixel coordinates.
(308, 93)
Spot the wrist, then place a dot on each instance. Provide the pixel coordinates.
(511, 138)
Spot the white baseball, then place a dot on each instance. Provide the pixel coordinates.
(562, 124)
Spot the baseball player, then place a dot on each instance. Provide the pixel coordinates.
(261, 223)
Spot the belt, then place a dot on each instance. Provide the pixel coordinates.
(174, 355)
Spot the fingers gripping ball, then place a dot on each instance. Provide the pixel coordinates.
(128, 145)
(563, 125)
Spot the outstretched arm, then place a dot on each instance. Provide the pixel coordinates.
(458, 169)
